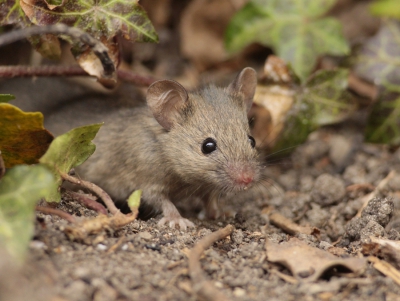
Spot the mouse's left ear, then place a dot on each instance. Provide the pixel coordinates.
(245, 83)
(166, 99)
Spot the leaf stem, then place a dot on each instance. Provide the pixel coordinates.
(98, 47)
(54, 211)
(96, 189)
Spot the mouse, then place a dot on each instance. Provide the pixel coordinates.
(180, 145)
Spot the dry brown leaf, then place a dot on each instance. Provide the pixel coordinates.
(388, 249)
(276, 97)
(309, 263)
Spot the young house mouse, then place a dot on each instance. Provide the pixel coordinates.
(180, 146)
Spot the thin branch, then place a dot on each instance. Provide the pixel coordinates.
(96, 189)
(98, 48)
(53, 211)
(86, 201)
(2, 166)
(69, 70)
(200, 284)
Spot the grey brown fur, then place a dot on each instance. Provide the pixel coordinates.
(159, 148)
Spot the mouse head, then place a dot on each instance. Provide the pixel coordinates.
(207, 133)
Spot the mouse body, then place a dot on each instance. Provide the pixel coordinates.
(180, 146)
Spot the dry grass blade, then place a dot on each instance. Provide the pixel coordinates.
(385, 268)
(200, 285)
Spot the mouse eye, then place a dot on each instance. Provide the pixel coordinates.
(209, 145)
(252, 142)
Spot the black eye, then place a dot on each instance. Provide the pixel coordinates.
(209, 145)
(252, 142)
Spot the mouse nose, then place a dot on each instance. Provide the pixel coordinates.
(244, 178)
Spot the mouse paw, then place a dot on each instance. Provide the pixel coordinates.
(172, 221)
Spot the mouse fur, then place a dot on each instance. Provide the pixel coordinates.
(158, 148)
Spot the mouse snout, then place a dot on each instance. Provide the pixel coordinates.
(242, 176)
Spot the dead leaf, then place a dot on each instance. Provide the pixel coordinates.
(309, 263)
(385, 248)
(23, 139)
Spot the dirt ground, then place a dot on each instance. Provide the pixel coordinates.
(321, 184)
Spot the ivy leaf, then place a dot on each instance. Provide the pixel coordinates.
(12, 13)
(20, 189)
(386, 8)
(6, 97)
(383, 125)
(298, 35)
(102, 19)
(379, 60)
(379, 63)
(97, 17)
(67, 151)
(23, 139)
(322, 100)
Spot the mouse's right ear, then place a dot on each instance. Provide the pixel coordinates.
(166, 98)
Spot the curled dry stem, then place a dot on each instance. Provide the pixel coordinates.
(200, 284)
(86, 201)
(96, 189)
(98, 48)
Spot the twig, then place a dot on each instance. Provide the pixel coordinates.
(382, 184)
(69, 70)
(54, 211)
(99, 49)
(289, 227)
(87, 202)
(200, 284)
(96, 189)
(2, 166)
(136, 79)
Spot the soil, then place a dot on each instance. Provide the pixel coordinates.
(321, 184)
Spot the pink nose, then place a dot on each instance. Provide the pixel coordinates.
(244, 178)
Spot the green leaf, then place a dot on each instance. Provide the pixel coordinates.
(379, 60)
(20, 189)
(6, 97)
(23, 139)
(386, 8)
(383, 124)
(69, 150)
(294, 28)
(322, 100)
(134, 199)
(99, 18)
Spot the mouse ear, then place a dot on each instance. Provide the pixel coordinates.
(245, 83)
(165, 99)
